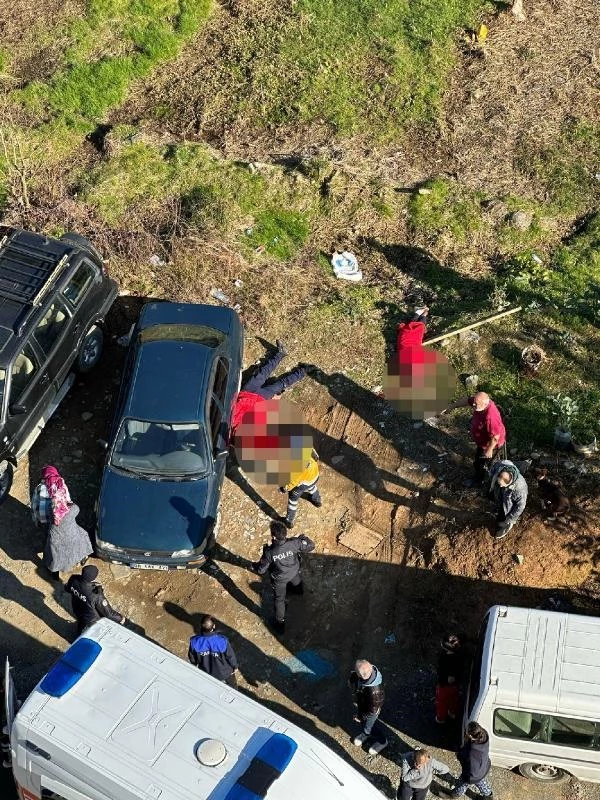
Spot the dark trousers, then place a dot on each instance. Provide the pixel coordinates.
(279, 593)
(310, 490)
(256, 384)
(372, 727)
(406, 792)
(481, 465)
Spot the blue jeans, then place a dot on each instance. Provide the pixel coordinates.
(372, 727)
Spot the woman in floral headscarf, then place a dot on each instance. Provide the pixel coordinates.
(67, 544)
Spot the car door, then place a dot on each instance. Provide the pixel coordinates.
(80, 295)
(30, 393)
(56, 335)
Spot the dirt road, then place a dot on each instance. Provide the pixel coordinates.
(435, 569)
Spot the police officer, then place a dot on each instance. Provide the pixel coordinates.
(281, 559)
(211, 652)
(88, 600)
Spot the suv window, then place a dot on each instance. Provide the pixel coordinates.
(216, 415)
(80, 280)
(51, 326)
(23, 371)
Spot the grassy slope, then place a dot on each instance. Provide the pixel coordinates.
(370, 66)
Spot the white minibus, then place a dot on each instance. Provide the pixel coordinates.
(535, 687)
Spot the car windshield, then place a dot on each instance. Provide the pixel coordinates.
(161, 449)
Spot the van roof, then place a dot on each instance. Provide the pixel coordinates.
(131, 724)
(546, 660)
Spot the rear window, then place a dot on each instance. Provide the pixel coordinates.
(201, 334)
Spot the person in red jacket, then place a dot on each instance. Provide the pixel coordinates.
(419, 381)
(487, 431)
(257, 389)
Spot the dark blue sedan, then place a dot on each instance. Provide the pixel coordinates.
(165, 465)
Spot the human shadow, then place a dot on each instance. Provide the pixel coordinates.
(214, 570)
(194, 521)
(20, 539)
(33, 600)
(235, 475)
(442, 285)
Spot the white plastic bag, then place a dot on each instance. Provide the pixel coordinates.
(345, 265)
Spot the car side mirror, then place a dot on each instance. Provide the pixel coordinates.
(16, 409)
(102, 444)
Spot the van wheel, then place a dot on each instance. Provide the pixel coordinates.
(90, 349)
(545, 773)
(6, 479)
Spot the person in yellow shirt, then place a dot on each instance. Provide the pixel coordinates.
(303, 484)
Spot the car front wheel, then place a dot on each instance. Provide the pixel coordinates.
(6, 479)
(90, 349)
(544, 773)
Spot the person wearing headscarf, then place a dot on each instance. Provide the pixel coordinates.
(67, 543)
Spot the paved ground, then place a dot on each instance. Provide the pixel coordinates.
(351, 606)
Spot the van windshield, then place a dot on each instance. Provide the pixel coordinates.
(161, 449)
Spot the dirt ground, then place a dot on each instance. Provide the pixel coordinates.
(436, 567)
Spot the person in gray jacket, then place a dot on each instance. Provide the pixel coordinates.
(509, 490)
(418, 769)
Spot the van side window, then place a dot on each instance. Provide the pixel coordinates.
(512, 723)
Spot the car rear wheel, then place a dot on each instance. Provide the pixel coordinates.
(80, 241)
(90, 349)
(544, 773)
(6, 479)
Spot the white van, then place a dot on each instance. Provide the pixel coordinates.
(119, 718)
(535, 687)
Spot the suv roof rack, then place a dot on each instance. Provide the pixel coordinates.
(26, 273)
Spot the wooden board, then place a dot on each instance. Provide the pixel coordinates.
(360, 539)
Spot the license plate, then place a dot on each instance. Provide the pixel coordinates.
(149, 566)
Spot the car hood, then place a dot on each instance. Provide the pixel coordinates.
(151, 515)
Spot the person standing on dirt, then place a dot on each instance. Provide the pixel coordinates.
(256, 388)
(474, 759)
(509, 490)
(417, 771)
(449, 673)
(212, 653)
(368, 693)
(88, 600)
(303, 485)
(282, 560)
(487, 431)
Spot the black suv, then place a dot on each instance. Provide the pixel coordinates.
(53, 295)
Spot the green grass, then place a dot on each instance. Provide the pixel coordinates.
(567, 171)
(117, 42)
(445, 207)
(278, 233)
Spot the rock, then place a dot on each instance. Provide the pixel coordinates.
(519, 558)
(87, 416)
(518, 11)
(521, 220)
(495, 208)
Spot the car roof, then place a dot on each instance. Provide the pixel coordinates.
(170, 381)
(30, 265)
(165, 313)
(546, 660)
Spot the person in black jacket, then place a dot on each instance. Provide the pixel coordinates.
(449, 673)
(281, 559)
(475, 762)
(211, 652)
(366, 683)
(88, 600)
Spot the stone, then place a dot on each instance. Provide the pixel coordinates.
(87, 416)
(521, 220)
(519, 558)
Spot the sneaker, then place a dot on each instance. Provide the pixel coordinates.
(501, 532)
(377, 747)
(289, 523)
(280, 347)
(317, 503)
(360, 739)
